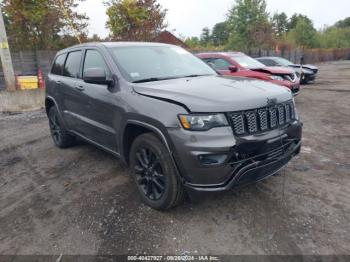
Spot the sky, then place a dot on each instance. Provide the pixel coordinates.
(189, 17)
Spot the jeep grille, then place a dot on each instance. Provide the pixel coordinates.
(262, 119)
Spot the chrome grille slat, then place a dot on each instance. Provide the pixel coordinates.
(251, 121)
(273, 117)
(238, 123)
(262, 119)
(281, 115)
(287, 110)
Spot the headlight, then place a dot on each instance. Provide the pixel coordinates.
(274, 77)
(306, 71)
(202, 122)
(295, 110)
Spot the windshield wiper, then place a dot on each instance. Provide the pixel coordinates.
(152, 79)
(195, 75)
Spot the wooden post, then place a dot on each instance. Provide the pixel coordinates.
(9, 73)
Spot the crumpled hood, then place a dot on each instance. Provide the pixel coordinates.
(311, 67)
(274, 70)
(215, 93)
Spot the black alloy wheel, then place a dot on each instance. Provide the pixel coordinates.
(59, 134)
(155, 173)
(149, 174)
(55, 128)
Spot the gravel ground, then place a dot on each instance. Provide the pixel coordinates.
(82, 201)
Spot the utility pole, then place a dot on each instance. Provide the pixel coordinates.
(5, 55)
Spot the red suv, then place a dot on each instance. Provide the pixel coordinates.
(239, 64)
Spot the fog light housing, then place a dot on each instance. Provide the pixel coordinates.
(211, 159)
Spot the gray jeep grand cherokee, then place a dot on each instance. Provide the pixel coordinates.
(170, 117)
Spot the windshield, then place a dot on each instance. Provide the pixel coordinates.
(153, 63)
(247, 62)
(282, 61)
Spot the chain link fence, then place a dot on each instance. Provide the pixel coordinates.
(29, 62)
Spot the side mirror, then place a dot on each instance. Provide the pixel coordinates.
(96, 76)
(233, 69)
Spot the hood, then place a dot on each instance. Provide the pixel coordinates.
(311, 67)
(215, 93)
(275, 70)
(304, 71)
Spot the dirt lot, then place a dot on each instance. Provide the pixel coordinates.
(81, 200)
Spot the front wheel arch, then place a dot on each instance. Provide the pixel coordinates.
(49, 103)
(135, 128)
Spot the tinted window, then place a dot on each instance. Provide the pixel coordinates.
(57, 67)
(267, 62)
(282, 61)
(220, 64)
(71, 68)
(94, 59)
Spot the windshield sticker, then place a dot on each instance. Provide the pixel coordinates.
(134, 74)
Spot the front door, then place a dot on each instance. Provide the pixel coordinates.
(101, 105)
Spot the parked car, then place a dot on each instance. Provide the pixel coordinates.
(169, 116)
(239, 64)
(306, 73)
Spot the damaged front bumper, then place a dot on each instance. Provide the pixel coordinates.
(249, 159)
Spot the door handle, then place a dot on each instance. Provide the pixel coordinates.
(80, 88)
(58, 82)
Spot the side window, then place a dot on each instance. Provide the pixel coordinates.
(93, 59)
(220, 64)
(72, 66)
(209, 62)
(273, 63)
(268, 62)
(57, 67)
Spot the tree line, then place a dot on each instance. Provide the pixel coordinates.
(249, 26)
(55, 24)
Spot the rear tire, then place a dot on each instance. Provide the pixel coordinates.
(59, 134)
(154, 173)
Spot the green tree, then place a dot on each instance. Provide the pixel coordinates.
(261, 35)
(205, 38)
(136, 20)
(220, 34)
(294, 20)
(304, 33)
(41, 24)
(73, 23)
(192, 41)
(343, 23)
(334, 37)
(244, 19)
(279, 23)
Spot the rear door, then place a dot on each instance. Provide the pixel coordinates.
(54, 80)
(71, 99)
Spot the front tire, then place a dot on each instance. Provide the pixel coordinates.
(59, 134)
(154, 173)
